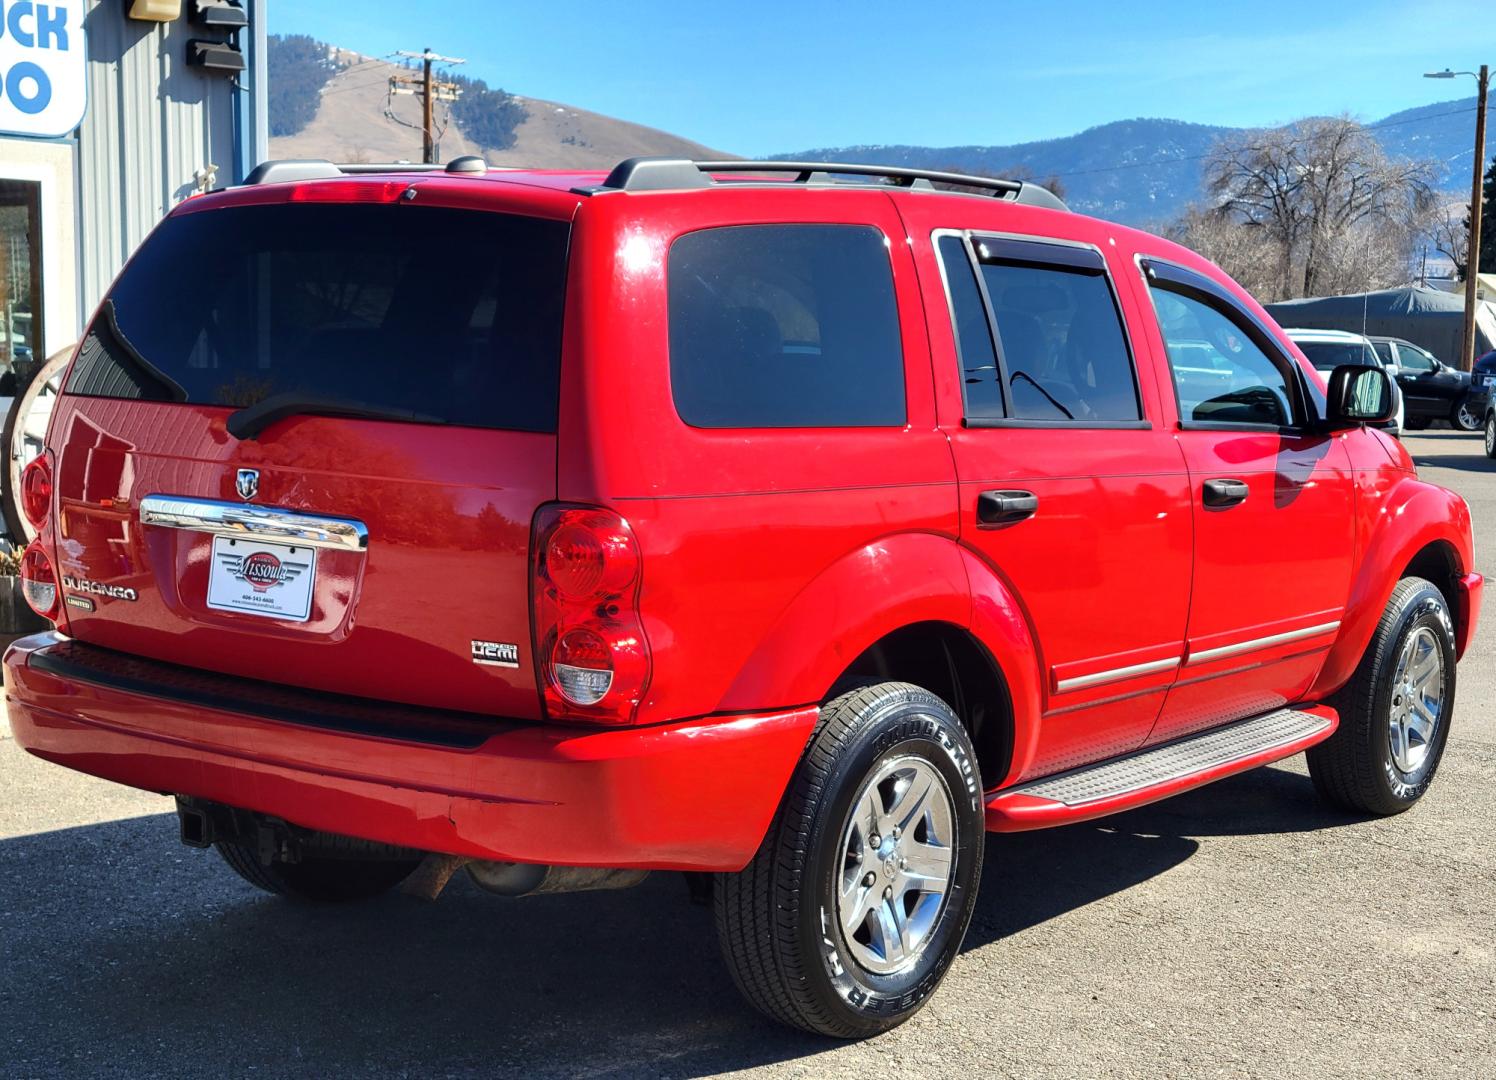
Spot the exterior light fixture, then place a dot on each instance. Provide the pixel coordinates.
(155, 10)
(220, 14)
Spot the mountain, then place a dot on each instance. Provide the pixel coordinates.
(1143, 172)
(350, 124)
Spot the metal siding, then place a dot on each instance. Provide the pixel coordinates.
(152, 121)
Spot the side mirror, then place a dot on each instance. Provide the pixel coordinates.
(1359, 395)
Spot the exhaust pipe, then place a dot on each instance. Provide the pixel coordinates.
(535, 879)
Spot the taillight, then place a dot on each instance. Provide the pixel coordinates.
(39, 582)
(591, 654)
(36, 491)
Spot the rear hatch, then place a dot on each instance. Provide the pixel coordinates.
(303, 442)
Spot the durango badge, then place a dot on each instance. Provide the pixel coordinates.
(247, 483)
(98, 588)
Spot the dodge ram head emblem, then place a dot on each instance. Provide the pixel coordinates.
(247, 483)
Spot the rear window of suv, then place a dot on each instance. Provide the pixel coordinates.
(785, 326)
(453, 316)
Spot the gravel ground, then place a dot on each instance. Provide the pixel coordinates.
(1239, 930)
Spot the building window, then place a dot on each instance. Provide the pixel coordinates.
(21, 344)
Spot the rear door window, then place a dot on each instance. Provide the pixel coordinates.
(1059, 353)
(785, 326)
(452, 316)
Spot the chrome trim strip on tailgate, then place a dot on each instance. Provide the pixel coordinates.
(260, 522)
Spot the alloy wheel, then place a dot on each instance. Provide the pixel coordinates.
(1418, 688)
(898, 847)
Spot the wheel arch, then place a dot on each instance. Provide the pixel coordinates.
(909, 603)
(1421, 531)
(949, 662)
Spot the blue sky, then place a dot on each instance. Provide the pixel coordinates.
(764, 77)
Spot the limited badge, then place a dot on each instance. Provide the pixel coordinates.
(81, 602)
(496, 653)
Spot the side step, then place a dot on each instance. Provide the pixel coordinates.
(1158, 772)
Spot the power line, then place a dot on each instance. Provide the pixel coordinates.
(430, 92)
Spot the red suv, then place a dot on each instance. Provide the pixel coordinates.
(791, 524)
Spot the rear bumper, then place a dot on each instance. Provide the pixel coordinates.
(697, 795)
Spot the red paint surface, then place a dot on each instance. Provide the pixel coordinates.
(769, 560)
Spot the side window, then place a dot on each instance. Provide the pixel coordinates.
(1220, 374)
(1059, 353)
(1414, 359)
(1384, 352)
(981, 379)
(785, 326)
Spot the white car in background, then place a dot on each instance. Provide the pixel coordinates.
(1328, 349)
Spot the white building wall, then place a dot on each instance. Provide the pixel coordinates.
(153, 124)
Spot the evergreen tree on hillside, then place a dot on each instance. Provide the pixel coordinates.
(1487, 223)
(297, 68)
(486, 115)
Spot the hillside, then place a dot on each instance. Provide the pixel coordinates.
(350, 125)
(1147, 171)
(1142, 172)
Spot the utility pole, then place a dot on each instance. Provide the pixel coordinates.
(1472, 273)
(1472, 257)
(430, 93)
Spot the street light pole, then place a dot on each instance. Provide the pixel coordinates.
(1472, 256)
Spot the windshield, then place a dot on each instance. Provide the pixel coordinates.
(439, 315)
(1328, 355)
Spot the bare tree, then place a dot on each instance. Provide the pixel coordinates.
(1449, 230)
(1320, 191)
(1245, 253)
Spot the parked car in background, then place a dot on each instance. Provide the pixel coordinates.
(1328, 349)
(790, 533)
(1432, 390)
(1483, 382)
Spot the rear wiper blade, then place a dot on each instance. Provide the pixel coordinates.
(249, 421)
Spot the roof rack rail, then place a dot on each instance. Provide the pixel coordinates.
(294, 169)
(678, 174)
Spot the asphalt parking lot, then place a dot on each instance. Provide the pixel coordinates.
(1239, 930)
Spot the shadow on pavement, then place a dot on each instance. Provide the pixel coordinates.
(1477, 462)
(121, 952)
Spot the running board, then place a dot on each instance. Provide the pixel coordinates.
(1158, 772)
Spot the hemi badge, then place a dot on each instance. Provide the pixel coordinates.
(496, 653)
(80, 602)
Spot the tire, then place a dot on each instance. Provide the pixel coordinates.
(21, 435)
(1416, 423)
(1491, 434)
(1384, 755)
(779, 919)
(1464, 417)
(317, 880)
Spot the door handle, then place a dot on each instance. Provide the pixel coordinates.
(1005, 507)
(1222, 493)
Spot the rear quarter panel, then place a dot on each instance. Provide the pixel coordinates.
(736, 524)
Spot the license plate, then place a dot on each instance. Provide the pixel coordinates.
(273, 580)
